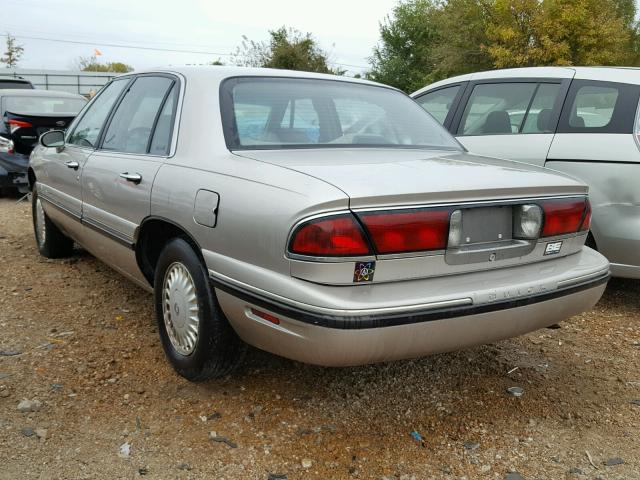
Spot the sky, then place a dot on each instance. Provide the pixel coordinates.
(346, 29)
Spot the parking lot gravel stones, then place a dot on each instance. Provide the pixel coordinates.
(352, 423)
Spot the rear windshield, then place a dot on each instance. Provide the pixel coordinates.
(43, 105)
(283, 113)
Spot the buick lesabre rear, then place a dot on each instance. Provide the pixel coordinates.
(325, 219)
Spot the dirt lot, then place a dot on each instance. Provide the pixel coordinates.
(86, 347)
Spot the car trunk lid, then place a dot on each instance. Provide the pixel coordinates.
(397, 177)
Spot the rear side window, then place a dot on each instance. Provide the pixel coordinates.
(439, 102)
(599, 107)
(132, 124)
(161, 142)
(509, 108)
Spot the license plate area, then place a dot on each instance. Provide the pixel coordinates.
(486, 225)
(487, 236)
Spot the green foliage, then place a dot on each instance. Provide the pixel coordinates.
(287, 49)
(13, 53)
(91, 64)
(426, 40)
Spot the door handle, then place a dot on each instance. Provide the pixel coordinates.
(131, 177)
(72, 164)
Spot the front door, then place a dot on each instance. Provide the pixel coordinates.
(60, 183)
(118, 177)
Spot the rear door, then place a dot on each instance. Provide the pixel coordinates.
(117, 179)
(595, 142)
(511, 118)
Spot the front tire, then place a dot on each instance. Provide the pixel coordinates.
(196, 336)
(51, 242)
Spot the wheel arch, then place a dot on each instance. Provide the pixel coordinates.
(153, 234)
(31, 178)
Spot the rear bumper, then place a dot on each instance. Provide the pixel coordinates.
(13, 171)
(503, 304)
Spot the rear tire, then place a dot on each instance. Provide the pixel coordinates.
(196, 336)
(51, 242)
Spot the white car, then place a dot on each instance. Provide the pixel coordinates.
(578, 120)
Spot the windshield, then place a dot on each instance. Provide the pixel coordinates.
(43, 105)
(281, 113)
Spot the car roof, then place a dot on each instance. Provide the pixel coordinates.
(221, 72)
(606, 74)
(15, 92)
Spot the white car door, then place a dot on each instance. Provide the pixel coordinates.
(510, 118)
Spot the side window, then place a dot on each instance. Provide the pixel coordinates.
(599, 107)
(161, 141)
(539, 117)
(131, 125)
(593, 107)
(496, 108)
(300, 119)
(87, 130)
(439, 103)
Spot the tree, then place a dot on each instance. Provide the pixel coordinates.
(287, 49)
(91, 64)
(427, 40)
(405, 58)
(561, 32)
(14, 52)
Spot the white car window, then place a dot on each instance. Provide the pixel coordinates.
(593, 107)
(496, 108)
(439, 103)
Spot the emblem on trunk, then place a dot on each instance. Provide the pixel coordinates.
(60, 123)
(364, 272)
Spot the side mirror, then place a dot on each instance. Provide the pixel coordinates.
(52, 138)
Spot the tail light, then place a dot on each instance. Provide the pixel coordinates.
(17, 124)
(6, 145)
(407, 231)
(565, 216)
(419, 230)
(337, 236)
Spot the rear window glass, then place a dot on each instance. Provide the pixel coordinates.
(43, 105)
(15, 85)
(264, 113)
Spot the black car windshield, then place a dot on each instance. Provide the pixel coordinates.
(32, 105)
(283, 113)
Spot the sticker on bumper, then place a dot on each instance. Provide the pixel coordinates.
(364, 272)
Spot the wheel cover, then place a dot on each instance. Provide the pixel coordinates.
(180, 309)
(41, 226)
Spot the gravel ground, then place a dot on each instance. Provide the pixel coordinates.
(86, 356)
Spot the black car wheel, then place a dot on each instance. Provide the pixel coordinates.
(51, 242)
(196, 336)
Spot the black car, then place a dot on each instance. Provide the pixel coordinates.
(25, 115)
(11, 82)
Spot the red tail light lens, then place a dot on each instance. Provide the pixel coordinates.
(338, 236)
(586, 223)
(564, 216)
(414, 231)
(19, 123)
